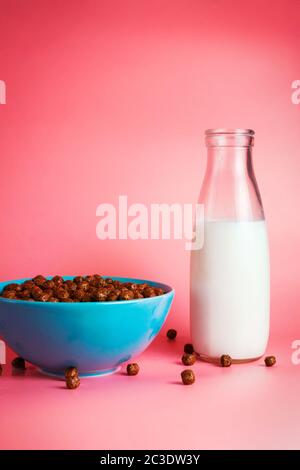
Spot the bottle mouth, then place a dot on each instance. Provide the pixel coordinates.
(229, 131)
(221, 137)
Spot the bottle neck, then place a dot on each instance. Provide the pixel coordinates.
(229, 190)
(229, 160)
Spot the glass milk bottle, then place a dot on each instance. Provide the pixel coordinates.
(230, 273)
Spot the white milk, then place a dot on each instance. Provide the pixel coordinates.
(230, 290)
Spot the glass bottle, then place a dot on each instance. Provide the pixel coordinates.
(230, 273)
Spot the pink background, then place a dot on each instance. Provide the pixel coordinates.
(112, 97)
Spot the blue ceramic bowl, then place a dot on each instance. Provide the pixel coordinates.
(95, 337)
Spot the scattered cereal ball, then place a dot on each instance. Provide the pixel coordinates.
(133, 369)
(270, 361)
(78, 279)
(18, 363)
(188, 359)
(171, 334)
(72, 382)
(225, 360)
(71, 372)
(188, 377)
(53, 299)
(72, 378)
(188, 348)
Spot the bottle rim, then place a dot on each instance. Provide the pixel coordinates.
(224, 131)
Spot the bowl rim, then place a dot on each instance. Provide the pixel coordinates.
(170, 291)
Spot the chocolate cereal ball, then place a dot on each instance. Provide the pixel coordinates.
(225, 360)
(72, 383)
(270, 361)
(71, 372)
(133, 369)
(18, 363)
(171, 334)
(188, 377)
(188, 359)
(90, 288)
(188, 348)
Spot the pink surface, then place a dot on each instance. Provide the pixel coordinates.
(110, 97)
(244, 406)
